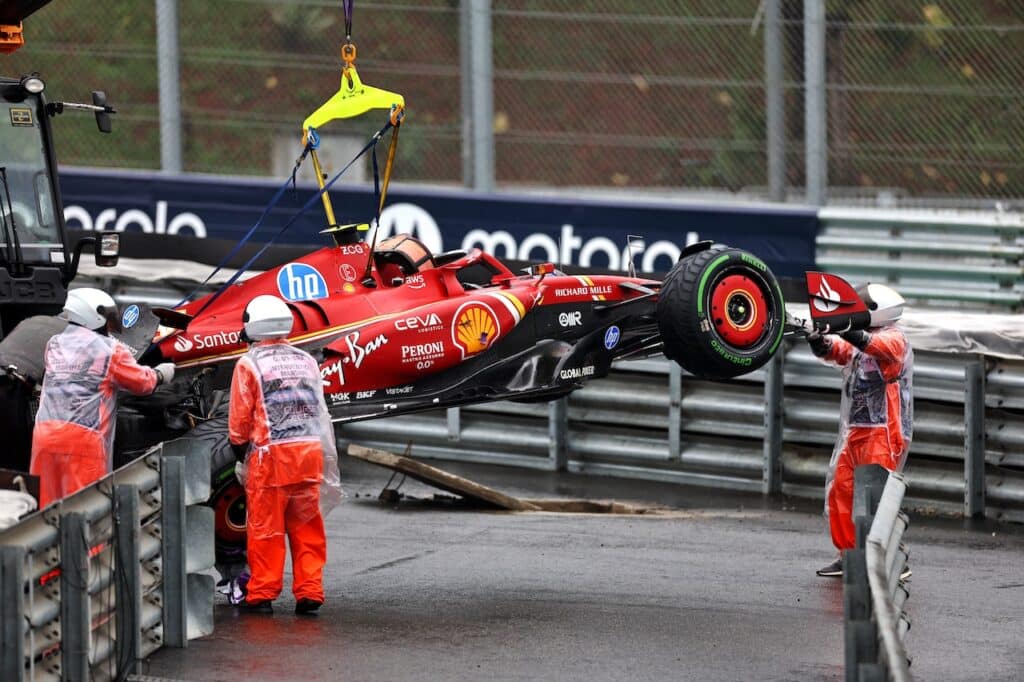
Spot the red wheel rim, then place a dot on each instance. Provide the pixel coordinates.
(739, 311)
(229, 515)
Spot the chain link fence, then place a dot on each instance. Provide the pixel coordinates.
(925, 100)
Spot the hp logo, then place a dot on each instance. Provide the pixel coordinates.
(301, 282)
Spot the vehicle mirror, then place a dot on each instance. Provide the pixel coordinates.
(542, 269)
(99, 99)
(107, 249)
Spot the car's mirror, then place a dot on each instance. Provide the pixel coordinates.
(99, 99)
(107, 249)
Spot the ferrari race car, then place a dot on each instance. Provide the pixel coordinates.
(398, 329)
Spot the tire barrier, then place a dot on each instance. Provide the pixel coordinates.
(94, 583)
(874, 594)
(771, 431)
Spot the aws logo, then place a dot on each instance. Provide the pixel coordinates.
(475, 329)
(301, 282)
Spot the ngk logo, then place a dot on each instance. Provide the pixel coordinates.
(570, 319)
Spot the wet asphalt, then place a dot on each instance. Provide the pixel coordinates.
(720, 588)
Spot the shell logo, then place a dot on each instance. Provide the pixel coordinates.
(475, 329)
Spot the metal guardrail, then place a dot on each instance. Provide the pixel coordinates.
(96, 582)
(874, 594)
(771, 431)
(973, 259)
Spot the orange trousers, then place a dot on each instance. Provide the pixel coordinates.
(863, 446)
(66, 458)
(275, 513)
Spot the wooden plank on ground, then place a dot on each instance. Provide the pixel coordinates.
(440, 478)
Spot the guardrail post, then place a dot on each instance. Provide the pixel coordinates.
(12, 616)
(74, 597)
(974, 439)
(454, 423)
(127, 533)
(675, 411)
(175, 617)
(771, 483)
(861, 637)
(868, 485)
(558, 432)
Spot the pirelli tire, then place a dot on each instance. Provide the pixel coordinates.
(721, 313)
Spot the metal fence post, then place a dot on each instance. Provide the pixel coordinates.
(974, 439)
(169, 76)
(482, 70)
(815, 123)
(129, 588)
(74, 597)
(775, 105)
(12, 616)
(175, 606)
(675, 411)
(558, 431)
(771, 483)
(466, 89)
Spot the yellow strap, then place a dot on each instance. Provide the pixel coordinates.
(352, 99)
(388, 166)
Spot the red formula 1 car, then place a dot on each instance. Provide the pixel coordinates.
(398, 329)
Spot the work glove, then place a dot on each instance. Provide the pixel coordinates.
(240, 450)
(859, 338)
(165, 373)
(820, 346)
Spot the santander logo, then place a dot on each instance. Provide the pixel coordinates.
(182, 344)
(827, 299)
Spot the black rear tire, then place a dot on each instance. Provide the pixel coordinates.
(721, 313)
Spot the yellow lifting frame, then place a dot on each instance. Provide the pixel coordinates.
(353, 98)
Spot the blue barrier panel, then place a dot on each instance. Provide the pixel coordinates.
(567, 230)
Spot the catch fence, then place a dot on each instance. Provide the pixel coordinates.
(920, 101)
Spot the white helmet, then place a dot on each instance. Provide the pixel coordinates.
(92, 309)
(885, 304)
(267, 317)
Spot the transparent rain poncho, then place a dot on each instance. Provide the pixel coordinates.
(280, 409)
(78, 401)
(876, 419)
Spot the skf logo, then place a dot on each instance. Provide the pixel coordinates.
(827, 299)
(301, 282)
(476, 326)
(21, 116)
(570, 319)
(182, 344)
